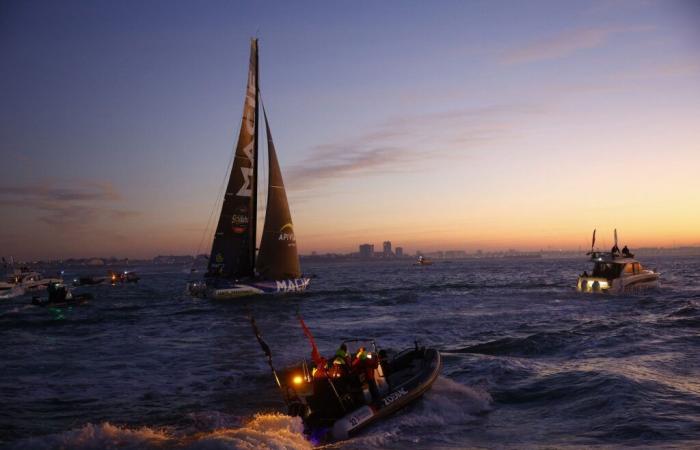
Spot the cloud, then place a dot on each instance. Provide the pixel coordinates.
(86, 191)
(407, 143)
(676, 69)
(565, 44)
(69, 206)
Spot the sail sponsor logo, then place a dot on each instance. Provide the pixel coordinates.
(286, 233)
(391, 398)
(249, 125)
(286, 237)
(246, 190)
(297, 284)
(239, 220)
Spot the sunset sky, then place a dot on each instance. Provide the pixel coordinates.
(437, 125)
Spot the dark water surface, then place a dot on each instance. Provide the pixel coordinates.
(528, 362)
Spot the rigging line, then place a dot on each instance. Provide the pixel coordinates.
(219, 198)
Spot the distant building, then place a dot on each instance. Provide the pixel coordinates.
(387, 249)
(173, 259)
(453, 254)
(366, 251)
(399, 252)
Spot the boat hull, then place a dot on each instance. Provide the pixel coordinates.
(631, 283)
(334, 408)
(398, 397)
(10, 291)
(223, 290)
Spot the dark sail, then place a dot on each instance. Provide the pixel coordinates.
(233, 249)
(278, 258)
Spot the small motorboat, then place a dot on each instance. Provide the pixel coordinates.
(123, 277)
(423, 261)
(616, 272)
(60, 296)
(335, 405)
(24, 280)
(90, 280)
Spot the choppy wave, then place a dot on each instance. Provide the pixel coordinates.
(264, 431)
(528, 362)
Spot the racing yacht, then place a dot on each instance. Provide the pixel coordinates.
(238, 266)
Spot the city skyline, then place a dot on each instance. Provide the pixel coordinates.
(467, 126)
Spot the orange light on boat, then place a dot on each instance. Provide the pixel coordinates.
(297, 379)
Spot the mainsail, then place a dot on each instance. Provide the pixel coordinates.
(233, 249)
(278, 258)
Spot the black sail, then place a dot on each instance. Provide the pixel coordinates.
(278, 258)
(233, 249)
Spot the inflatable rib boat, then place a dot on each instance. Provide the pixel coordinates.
(335, 406)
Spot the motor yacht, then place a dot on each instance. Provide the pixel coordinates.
(24, 280)
(616, 273)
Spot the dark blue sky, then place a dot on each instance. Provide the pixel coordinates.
(117, 118)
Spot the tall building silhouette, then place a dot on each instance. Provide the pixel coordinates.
(366, 251)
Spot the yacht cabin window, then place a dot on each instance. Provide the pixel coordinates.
(606, 270)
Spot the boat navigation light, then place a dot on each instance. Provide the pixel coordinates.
(297, 379)
(369, 356)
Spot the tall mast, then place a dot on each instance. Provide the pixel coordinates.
(254, 224)
(233, 248)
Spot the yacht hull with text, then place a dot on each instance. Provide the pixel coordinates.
(225, 290)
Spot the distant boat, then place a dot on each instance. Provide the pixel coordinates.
(24, 280)
(234, 268)
(615, 272)
(112, 277)
(423, 261)
(60, 296)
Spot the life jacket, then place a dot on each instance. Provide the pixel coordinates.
(320, 371)
(364, 363)
(341, 357)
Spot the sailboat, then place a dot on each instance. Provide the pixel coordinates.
(235, 267)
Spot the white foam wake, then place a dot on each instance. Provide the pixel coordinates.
(264, 431)
(448, 404)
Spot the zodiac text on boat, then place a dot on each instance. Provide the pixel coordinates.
(391, 398)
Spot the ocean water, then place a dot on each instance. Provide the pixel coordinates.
(528, 362)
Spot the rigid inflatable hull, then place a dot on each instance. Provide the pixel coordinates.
(399, 396)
